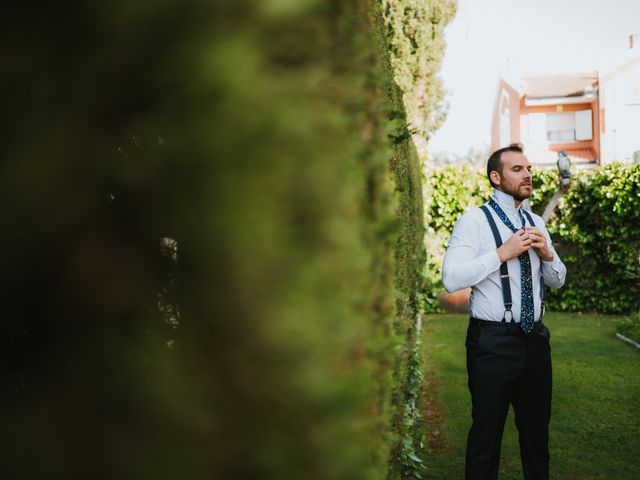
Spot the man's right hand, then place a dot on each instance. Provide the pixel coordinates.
(517, 244)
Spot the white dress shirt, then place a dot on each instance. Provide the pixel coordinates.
(472, 261)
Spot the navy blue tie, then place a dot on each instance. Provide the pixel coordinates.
(526, 311)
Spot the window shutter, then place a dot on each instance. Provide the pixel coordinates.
(584, 125)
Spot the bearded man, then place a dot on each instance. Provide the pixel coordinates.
(504, 253)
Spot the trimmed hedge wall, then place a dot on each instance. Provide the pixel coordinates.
(414, 31)
(266, 143)
(595, 228)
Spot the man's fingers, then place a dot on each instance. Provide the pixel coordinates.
(536, 236)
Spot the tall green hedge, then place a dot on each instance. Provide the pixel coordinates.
(595, 228)
(414, 31)
(213, 242)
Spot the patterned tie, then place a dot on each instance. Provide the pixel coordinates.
(526, 312)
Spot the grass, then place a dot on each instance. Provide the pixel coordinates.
(630, 327)
(595, 421)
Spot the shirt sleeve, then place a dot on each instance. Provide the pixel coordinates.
(554, 272)
(463, 265)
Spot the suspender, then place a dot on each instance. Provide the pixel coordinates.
(504, 271)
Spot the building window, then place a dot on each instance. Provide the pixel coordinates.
(561, 136)
(561, 127)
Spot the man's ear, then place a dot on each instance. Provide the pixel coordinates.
(495, 177)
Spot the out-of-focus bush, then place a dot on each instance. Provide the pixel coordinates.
(595, 229)
(449, 191)
(212, 241)
(598, 231)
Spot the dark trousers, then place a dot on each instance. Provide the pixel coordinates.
(504, 367)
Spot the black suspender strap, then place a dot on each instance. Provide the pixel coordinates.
(504, 271)
(529, 217)
(542, 292)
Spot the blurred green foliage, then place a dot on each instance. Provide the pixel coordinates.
(449, 191)
(598, 230)
(595, 229)
(268, 140)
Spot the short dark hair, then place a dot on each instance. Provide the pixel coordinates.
(495, 160)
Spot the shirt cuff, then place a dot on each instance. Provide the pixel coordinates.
(554, 264)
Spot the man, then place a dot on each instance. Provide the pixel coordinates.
(504, 253)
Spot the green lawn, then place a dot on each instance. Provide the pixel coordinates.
(595, 421)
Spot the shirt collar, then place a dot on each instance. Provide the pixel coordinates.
(506, 202)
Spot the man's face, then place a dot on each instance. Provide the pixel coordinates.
(516, 176)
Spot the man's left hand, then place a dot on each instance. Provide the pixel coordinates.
(539, 244)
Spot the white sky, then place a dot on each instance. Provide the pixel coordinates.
(491, 38)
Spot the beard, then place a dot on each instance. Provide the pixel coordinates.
(519, 192)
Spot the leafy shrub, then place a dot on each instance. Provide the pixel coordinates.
(268, 141)
(449, 192)
(597, 228)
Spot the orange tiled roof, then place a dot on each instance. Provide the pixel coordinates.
(582, 155)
